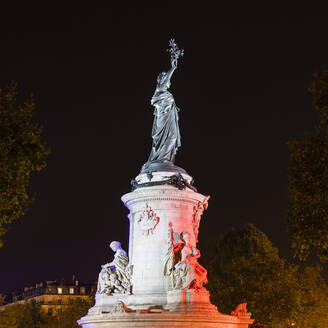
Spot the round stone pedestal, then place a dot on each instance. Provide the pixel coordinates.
(148, 243)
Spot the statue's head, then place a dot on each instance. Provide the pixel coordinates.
(115, 245)
(185, 236)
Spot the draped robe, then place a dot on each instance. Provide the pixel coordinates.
(165, 132)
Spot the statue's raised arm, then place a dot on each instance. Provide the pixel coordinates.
(165, 132)
(175, 52)
(164, 78)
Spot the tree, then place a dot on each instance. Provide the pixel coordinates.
(21, 153)
(75, 309)
(308, 181)
(26, 315)
(245, 267)
(314, 291)
(31, 315)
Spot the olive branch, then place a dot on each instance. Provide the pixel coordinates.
(174, 51)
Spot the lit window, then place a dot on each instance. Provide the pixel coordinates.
(71, 290)
(60, 290)
(82, 290)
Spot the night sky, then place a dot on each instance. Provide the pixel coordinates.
(242, 90)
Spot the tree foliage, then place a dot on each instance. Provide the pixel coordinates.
(245, 267)
(75, 309)
(31, 315)
(21, 153)
(308, 181)
(26, 315)
(314, 292)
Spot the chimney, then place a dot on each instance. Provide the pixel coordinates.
(75, 280)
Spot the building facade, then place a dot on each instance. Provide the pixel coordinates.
(53, 294)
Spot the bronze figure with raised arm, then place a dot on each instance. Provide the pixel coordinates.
(165, 131)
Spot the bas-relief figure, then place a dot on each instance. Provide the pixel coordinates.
(198, 212)
(165, 131)
(180, 264)
(115, 277)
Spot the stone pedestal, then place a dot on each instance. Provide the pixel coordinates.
(148, 248)
(163, 205)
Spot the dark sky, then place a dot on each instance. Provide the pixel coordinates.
(241, 87)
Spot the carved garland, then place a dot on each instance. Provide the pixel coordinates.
(148, 221)
(175, 180)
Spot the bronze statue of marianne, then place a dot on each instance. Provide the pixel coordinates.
(165, 131)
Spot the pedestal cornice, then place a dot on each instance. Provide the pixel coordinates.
(161, 193)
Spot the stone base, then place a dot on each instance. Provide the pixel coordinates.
(175, 301)
(105, 303)
(184, 308)
(190, 301)
(164, 319)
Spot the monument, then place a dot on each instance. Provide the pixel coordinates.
(160, 283)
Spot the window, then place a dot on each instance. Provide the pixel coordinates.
(71, 290)
(60, 290)
(82, 290)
